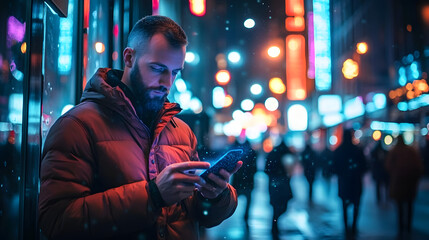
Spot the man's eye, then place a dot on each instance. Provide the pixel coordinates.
(175, 72)
(157, 69)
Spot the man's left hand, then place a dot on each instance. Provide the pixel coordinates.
(211, 191)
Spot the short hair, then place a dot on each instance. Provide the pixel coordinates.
(148, 26)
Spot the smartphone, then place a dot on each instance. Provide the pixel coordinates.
(228, 161)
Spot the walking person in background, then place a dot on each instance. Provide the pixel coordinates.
(379, 172)
(326, 162)
(279, 183)
(405, 168)
(243, 179)
(350, 166)
(308, 158)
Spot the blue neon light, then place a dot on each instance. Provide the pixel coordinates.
(402, 76)
(65, 42)
(322, 45)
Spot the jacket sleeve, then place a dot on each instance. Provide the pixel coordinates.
(211, 212)
(69, 206)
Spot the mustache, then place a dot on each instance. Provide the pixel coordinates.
(160, 88)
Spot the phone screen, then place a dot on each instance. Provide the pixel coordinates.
(228, 161)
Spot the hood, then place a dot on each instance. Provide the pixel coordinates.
(98, 90)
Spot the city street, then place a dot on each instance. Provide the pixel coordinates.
(322, 220)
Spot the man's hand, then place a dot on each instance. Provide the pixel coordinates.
(210, 191)
(174, 185)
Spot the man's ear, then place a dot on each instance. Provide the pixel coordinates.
(129, 55)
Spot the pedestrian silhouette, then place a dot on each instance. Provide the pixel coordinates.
(326, 163)
(405, 168)
(243, 179)
(279, 183)
(379, 172)
(350, 166)
(308, 158)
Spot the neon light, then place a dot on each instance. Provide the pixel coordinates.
(295, 24)
(15, 31)
(402, 76)
(218, 97)
(296, 76)
(329, 104)
(354, 108)
(297, 118)
(197, 7)
(322, 45)
(65, 42)
(294, 7)
(311, 70)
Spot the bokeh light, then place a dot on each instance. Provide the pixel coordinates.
(234, 57)
(249, 23)
(271, 104)
(256, 89)
(247, 104)
(277, 86)
(273, 51)
(361, 48)
(388, 140)
(99, 47)
(223, 77)
(376, 135)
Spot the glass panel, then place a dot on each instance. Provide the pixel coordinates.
(13, 50)
(98, 54)
(59, 64)
(117, 29)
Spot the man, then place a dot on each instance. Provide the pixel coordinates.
(114, 166)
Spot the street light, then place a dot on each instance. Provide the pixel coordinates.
(273, 51)
(350, 69)
(361, 48)
(277, 86)
(223, 77)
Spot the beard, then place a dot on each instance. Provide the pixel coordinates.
(142, 93)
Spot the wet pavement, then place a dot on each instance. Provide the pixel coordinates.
(323, 218)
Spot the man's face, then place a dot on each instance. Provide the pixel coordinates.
(154, 71)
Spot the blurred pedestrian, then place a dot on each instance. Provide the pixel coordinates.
(279, 183)
(242, 180)
(326, 163)
(379, 172)
(308, 158)
(350, 166)
(405, 168)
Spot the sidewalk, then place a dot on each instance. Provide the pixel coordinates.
(323, 220)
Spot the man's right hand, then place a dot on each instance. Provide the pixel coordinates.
(174, 185)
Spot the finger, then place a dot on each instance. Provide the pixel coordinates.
(180, 167)
(185, 188)
(217, 180)
(182, 177)
(206, 188)
(237, 166)
(225, 175)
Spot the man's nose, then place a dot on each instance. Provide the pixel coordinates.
(167, 79)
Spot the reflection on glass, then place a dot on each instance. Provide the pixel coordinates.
(59, 65)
